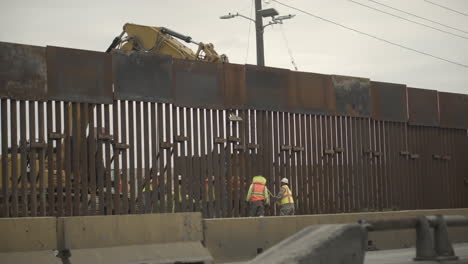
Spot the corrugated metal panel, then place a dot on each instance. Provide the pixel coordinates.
(79, 75)
(453, 110)
(352, 95)
(198, 84)
(23, 72)
(423, 107)
(267, 88)
(389, 102)
(311, 93)
(142, 76)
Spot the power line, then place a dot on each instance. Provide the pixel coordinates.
(409, 20)
(453, 10)
(248, 36)
(420, 17)
(293, 62)
(371, 36)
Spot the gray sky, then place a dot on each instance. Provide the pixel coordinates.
(316, 45)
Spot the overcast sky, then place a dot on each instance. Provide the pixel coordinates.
(316, 46)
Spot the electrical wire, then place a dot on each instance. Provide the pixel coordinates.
(371, 36)
(409, 20)
(448, 8)
(293, 62)
(248, 36)
(420, 17)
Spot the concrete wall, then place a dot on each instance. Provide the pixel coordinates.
(123, 239)
(121, 230)
(90, 238)
(28, 234)
(152, 238)
(26, 239)
(239, 239)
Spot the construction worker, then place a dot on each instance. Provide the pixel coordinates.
(258, 196)
(285, 199)
(177, 205)
(148, 194)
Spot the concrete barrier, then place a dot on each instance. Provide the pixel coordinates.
(26, 239)
(332, 244)
(177, 237)
(151, 238)
(241, 239)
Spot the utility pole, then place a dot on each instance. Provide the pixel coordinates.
(259, 27)
(259, 33)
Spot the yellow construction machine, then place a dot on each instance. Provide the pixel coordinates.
(161, 40)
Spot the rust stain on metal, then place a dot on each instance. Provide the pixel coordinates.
(79, 75)
(389, 102)
(198, 84)
(23, 72)
(311, 93)
(352, 95)
(423, 107)
(142, 76)
(235, 94)
(267, 88)
(453, 110)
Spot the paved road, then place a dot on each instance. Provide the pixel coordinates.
(404, 256)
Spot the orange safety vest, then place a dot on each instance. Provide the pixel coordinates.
(287, 196)
(258, 192)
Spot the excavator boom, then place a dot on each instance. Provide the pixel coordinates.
(161, 40)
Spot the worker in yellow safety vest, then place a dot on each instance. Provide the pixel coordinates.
(285, 199)
(149, 195)
(257, 197)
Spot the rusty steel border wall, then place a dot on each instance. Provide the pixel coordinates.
(91, 133)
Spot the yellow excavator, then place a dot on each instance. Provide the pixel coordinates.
(161, 40)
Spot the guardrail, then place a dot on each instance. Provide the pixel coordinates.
(429, 245)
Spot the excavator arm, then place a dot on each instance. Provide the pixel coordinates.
(160, 40)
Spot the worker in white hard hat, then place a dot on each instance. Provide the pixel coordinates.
(285, 199)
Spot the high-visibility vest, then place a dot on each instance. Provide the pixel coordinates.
(287, 196)
(150, 186)
(258, 191)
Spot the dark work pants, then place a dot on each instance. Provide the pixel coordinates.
(257, 208)
(287, 209)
